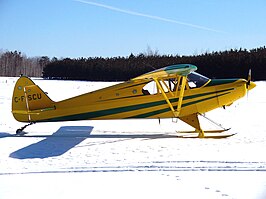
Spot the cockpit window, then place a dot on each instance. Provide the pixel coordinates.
(196, 80)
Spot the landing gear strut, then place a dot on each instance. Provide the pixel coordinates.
(193, 121)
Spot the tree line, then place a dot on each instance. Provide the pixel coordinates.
(233, 63)
(223, 64)
(14, 63)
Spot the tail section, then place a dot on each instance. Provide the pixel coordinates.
(28, 100)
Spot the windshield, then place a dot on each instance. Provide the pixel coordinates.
(196, 80)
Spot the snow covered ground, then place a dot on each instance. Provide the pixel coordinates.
(132, 158)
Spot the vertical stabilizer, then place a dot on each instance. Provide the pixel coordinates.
(28, 97)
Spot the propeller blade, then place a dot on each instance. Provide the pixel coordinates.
(250, 85)
(249, 78)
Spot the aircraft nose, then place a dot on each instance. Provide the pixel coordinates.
(250, 85)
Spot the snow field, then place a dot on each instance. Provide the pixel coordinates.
(132, 158)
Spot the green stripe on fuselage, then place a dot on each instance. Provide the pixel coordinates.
(215, 82)
(102, 113)
(150, 114)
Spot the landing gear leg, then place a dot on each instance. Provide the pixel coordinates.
(20, 131)
(193, 121)
(201, 133)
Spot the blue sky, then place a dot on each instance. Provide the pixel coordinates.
(107, 28)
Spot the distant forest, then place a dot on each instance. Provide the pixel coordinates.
(233, 63)
(13, 64)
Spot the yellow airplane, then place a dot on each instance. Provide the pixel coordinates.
(175, 91)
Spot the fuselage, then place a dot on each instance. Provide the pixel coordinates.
(131, 100)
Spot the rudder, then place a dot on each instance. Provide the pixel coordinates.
(28, 97)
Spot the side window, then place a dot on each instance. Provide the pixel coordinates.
(150, 88)
(167, 85)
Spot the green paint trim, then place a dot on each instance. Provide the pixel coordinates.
(102, 113)
(205, 94)
(215, 82)
(202, 100)
(146, 115)
(185, 98)
(149, 114)
(180, 66)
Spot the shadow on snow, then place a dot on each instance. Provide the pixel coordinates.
(70, 136)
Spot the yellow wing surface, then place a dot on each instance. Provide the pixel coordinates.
(169, 71)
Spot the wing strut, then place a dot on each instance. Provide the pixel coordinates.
(181, 95)
(165, 97)
(182, 85)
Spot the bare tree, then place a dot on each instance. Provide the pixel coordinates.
(15, 64)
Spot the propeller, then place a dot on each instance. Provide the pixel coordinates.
(250, 85)
(249, 78)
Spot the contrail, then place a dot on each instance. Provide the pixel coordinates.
(148, 16)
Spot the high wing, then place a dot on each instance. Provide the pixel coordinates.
(168, 72)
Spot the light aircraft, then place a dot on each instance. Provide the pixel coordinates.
(175, 91)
